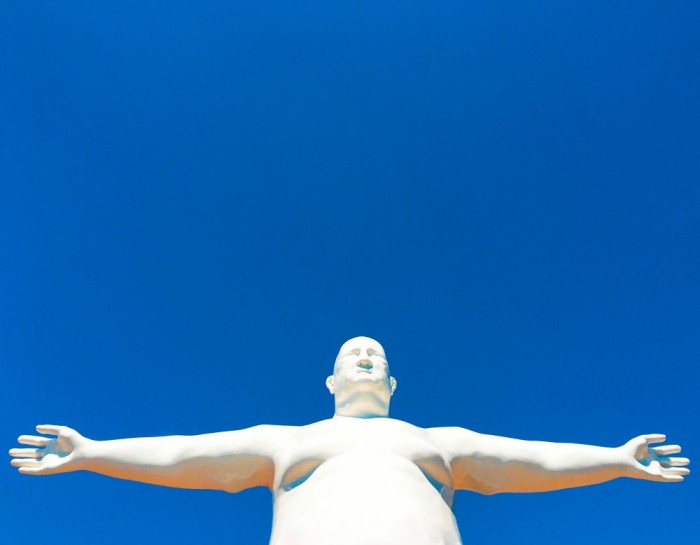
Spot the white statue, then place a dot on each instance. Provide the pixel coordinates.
(359, 478)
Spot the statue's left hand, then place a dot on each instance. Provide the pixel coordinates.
(654, 463)
(49, 455)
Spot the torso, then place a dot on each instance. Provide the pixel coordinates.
(352, 481)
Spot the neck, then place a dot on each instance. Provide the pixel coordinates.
(362, 405)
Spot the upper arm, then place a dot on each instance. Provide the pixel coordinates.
(485, 463)
(460, 447)
(231, 461)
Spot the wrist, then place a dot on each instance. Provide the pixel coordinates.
(83, 454)
(626, 463)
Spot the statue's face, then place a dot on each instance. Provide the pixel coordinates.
(361, 363)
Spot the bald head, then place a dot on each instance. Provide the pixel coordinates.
(361, 382)
(357, 343)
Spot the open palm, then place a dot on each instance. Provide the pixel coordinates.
(655, 463)
(49, 455)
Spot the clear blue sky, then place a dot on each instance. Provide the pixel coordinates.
(200, 201)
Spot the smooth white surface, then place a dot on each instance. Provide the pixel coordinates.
(359, 478)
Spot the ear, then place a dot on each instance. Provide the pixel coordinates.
(392, 381)
(329, 385)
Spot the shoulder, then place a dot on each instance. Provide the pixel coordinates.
(453, 438)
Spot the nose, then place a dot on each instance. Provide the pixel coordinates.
(364, 363)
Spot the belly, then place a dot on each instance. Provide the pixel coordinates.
(364, 498)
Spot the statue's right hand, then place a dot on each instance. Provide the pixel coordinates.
(49, 455)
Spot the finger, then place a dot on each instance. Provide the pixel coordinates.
(26, 452)
(49, 429)
(25, 462)
(666, 450)
(666, 471)
(654, 438)
(665, 479)
(674, 462)
(38, 471)
(34, 440)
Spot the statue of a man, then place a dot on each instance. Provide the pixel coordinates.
(359, 478)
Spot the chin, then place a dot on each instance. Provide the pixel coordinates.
(377, 386)
(366, 377)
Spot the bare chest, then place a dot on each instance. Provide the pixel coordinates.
(365, 441)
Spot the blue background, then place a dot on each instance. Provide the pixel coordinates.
(200, 201)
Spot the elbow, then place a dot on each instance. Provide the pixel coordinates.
(480, 487)
(488, 490)
(491, 492)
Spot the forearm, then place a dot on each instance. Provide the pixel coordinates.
(512, 465)
(227, 461)
(154, 460)
(491, 464)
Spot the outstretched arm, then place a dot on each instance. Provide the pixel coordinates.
(229, 461)
(489, 464)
